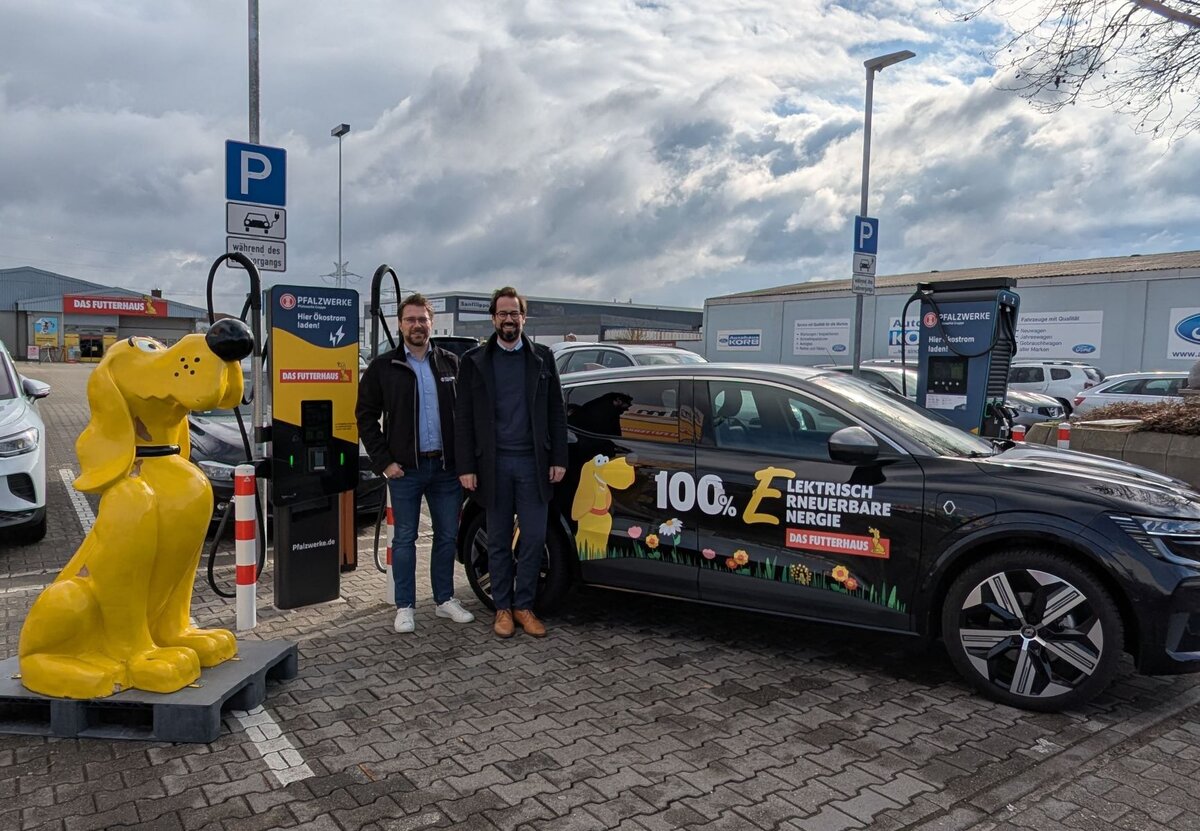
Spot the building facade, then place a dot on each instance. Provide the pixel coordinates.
(1121, 314)
(48, 316)
(551, 320)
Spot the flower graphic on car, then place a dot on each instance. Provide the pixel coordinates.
(671, 528)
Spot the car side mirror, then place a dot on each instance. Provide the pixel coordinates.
(853, 445)
(34, 389)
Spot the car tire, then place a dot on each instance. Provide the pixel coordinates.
(1067, 406)
(1005, 643)
(554, 582)
(33, 532)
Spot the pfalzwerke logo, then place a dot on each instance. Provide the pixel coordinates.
(1083, 349)
(287, 301)
(930, 320)
(1189, 329)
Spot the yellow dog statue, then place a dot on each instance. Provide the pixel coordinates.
(593, 500)
(118, 614)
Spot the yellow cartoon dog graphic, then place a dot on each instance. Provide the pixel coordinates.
(593, 500)
(117, 615)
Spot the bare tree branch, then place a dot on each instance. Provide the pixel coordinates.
(1141, 57)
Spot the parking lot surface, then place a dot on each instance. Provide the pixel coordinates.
(634, 713)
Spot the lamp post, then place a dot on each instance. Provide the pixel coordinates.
(872, 65)
(339, 272)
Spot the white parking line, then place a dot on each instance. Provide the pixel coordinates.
(281, 756)
(82, 508)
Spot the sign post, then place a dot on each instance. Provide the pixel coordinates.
(255, 213)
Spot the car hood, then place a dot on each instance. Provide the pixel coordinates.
(216, 440)
(14, 416)
(1095, 479)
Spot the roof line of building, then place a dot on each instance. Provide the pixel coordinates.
(1133, 263)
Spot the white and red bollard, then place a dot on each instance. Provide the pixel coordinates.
(1018, 432)
(244, 526)
(389, 593)
(1064, 436)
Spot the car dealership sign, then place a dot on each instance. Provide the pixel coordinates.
(1183, 338)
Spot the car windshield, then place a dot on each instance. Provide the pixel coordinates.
(8, 378)
(667, 358)
(913, 422)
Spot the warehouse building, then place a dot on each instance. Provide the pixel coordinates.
(550, 320)
(48, 316)
(1122, 314)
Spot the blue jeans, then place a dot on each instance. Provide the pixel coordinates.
(516, 493)
(444, 497)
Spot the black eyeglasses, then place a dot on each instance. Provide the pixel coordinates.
(507, 315)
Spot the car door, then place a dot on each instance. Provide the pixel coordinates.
(1122, 391)
(627, 438)
(785, 528)
(1028, 378)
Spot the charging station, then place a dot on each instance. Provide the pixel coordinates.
(313, 366)
(968, 339)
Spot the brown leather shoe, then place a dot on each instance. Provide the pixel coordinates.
(528, 621)
(503, 627)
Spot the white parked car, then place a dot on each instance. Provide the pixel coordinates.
(1058, 379)
(577, 357)
(22, 455)
(1133, 388)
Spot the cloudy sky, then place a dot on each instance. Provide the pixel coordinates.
(659, 150)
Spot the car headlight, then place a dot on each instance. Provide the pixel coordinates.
(1024, 408)
(24, 442)
(217, 471)
(1174, 540)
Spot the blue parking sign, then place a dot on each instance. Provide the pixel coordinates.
(866, 235)
(255, 173)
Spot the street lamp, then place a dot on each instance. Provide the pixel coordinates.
(339, 272)
(872, 65)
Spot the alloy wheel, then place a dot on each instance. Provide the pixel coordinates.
(1031, 633)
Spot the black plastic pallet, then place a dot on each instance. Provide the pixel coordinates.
(192, 714)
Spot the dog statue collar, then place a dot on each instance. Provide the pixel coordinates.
(151, 450)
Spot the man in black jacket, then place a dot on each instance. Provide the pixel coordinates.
(412, 387)
(510, 432)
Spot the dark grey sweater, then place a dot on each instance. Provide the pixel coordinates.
(514, 428)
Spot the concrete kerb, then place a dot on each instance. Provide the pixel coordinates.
(975, 808)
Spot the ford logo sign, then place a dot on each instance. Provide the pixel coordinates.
(1083, 348)
(1189, 328)
(839, 347)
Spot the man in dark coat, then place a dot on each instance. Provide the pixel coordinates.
(510, 431)
(412, 387)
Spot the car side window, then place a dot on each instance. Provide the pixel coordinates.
(1060, 374)
(1025, 375)
(630, 410)
(613, 358)
(579, 358)
(766, 419)
(1123, 388)
(1161, 386)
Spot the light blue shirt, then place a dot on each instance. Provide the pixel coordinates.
(429, 430)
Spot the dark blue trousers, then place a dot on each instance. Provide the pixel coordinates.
(514, 585)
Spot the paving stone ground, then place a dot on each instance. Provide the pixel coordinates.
(634, 713)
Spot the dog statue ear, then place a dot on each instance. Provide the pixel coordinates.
(585, 492)
(232, 395)
(106, 446)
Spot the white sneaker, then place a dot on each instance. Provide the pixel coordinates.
(454, 610)
(404, 621)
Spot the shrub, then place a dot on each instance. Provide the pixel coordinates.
(1183, 419)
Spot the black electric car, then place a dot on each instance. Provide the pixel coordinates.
(812, 494)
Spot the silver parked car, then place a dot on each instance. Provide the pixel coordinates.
(1133, 388)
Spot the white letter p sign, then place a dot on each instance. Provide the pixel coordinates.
(262, 172)
(865, 232)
